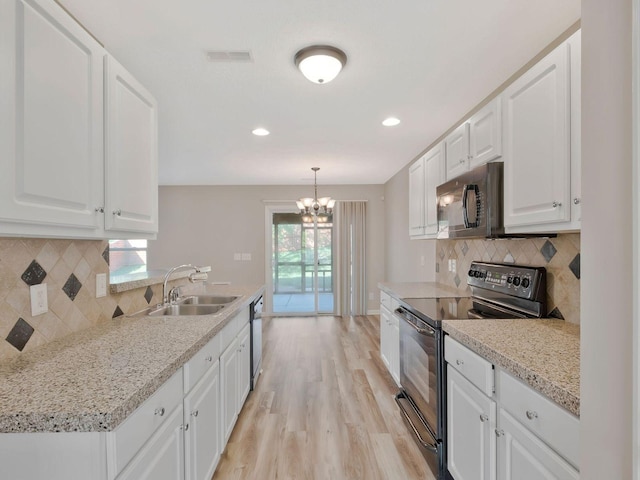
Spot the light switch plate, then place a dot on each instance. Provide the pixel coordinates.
(246, 256)
(237, 256)
(39, 304)
(101, 285)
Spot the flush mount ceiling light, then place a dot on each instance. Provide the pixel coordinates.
(260, 132)
(316, 207)
(320, 63)
(391, 122)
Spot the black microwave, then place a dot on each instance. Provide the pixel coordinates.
(471, 205)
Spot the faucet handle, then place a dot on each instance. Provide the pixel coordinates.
(174, 294)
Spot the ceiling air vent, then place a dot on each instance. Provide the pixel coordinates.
(229, 56)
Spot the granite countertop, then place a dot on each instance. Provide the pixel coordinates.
(92, 380)
(545, 354)
(420, 290)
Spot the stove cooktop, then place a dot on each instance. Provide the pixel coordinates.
(438, 309)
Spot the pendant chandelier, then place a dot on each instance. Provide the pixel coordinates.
(318, 208)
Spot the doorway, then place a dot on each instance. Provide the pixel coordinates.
(302, 264)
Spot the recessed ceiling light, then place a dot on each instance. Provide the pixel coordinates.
(260, 132)
(390, 122)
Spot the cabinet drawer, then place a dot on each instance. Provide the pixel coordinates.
(195, 368)
(550, 422)
(231, 329)
(138, 428)
(475, 368)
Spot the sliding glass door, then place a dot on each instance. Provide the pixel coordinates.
(302, 264)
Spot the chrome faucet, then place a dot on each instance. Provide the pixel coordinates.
(172, 297)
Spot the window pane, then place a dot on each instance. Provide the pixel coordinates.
(127, 256)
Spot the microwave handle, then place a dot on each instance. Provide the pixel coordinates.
(465, 206)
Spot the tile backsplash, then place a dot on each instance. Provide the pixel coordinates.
(560, 256)
(69, 269)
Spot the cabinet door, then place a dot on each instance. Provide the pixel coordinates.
(575, 48)
(485, 134)
(416, 199)
(51, 112)
(457, 151)
(434, 169)
(394, 348)
(229, 390)
(471, 420)
(537, 148)
(202, 414)
(522, 456)
(131, 155)
(244, 365)
(162, 457)
(385, 322)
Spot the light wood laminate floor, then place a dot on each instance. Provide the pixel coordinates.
(323, 408)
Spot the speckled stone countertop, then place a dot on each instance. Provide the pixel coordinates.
(545, 354)
(419, 290)
(92, 380)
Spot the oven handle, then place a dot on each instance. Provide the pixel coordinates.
(431, 447)
(428, 332)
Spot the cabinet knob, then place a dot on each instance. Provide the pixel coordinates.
(194, 413)
(117, 212)
(576, 201)
(483, 418)
(462, 160)
(185, 427)
(209, 358)
(556, 204)
(459, 362)
(99, 209)
(532, 414)
(159, 411)
(499, 433)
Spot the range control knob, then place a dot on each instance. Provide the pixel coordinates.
(483, 274)
(510, 279)
(525, 282)
(471, 273)
(516, 281)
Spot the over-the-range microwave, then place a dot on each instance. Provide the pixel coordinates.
(471, 205)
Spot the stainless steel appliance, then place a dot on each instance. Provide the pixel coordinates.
(471, 205)
(498, 291)
(256, 340)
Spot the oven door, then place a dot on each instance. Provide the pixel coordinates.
(420, 375)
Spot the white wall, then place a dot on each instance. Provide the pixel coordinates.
(606, 266)
(206, 225)
(402, 255)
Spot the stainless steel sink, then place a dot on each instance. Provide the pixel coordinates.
(182, 309)
(208, 300)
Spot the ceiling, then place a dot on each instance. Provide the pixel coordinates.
(428, 62)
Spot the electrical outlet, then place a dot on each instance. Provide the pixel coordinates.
(452, 265)
(101, 285)
(39, 303)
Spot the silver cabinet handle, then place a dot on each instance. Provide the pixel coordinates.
(117, 212)
(499, 433)
(159, 411)
(532, 414)
(194, 413)
(483, 418)
(459, 362)
(99, 209)
(556, 204)
(576, 201)
(209, 358)
(185, 427)
(462, 160)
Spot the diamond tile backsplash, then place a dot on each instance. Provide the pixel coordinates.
(560, 256)
(69, 269)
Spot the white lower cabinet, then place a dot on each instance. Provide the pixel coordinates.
(162, 456)
(202, 447)
(471, 423)
(235, 377)
(513, 433)
(390, 335)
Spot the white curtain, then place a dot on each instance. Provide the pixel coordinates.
(351, 285)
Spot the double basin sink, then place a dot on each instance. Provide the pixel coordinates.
(194, 305)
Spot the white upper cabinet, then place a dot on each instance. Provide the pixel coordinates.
(51, 112)
(425, 175)
(131, 153)
(485, 134)
(55, 138)
(457, 151)
(542, 136)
